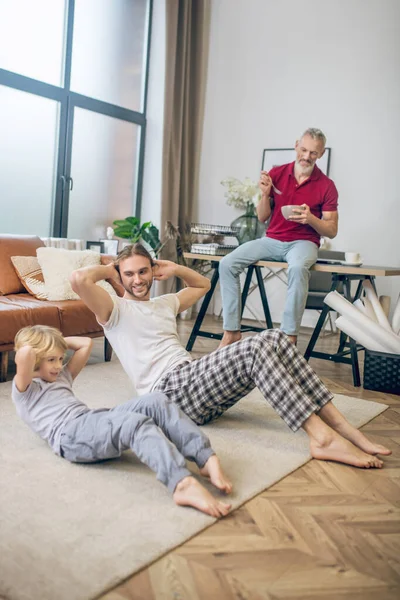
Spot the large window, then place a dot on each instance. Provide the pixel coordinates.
(73, 76)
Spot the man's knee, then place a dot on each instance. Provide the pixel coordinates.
(271, 336)
(227, 264)
(299, 271)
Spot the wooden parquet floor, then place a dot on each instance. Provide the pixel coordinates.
(325, 532)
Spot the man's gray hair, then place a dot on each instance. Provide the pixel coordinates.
(316, 134)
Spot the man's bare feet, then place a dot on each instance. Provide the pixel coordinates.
(293, 339)
(332, 417)
(213, 470)
(229, 338)
(327, 444)
(336, 448)
(189, 492)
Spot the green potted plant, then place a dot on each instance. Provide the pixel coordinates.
(131, 229)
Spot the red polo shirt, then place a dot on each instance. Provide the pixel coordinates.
(318, 192)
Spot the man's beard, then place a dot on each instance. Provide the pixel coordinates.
(143, 290)
(304, 170)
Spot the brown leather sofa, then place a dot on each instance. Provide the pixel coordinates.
(18, 308)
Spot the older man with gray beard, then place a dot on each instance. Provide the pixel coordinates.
(294, 240)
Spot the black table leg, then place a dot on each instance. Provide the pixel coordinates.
(353, 344)
(264, 300)
(246, 288)
(203, 309)
(320, 323)
(342, 342)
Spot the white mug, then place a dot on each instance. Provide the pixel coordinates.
(352, 257)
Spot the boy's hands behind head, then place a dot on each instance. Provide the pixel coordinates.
(26, 353)
(25, 359)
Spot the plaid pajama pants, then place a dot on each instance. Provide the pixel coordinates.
(205, 388)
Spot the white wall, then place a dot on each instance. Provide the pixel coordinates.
(278, 67)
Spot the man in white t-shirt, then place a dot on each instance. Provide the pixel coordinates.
(143, 334)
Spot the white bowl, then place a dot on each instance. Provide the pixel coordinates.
(287, 210)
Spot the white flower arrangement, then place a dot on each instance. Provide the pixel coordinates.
(241, 194)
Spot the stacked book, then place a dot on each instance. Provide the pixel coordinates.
(213, 249)
(212, 236)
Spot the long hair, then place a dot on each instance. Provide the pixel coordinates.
(133, 250)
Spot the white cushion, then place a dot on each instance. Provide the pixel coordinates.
(57, 264)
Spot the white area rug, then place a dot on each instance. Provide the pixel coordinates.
(70, 532)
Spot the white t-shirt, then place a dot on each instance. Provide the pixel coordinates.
(144, 336)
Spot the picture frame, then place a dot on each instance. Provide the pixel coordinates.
(95, 246)
(274, 157)
(110, 246)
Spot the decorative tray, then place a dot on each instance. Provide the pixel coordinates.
(227, 230)
(213, 249)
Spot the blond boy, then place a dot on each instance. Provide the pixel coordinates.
(152, 426)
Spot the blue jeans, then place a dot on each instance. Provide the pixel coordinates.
(300, 256)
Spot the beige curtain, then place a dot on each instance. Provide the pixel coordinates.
(187, 44)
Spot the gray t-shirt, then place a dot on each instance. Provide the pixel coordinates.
(47, 407)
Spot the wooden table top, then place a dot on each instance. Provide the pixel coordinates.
(373, 270)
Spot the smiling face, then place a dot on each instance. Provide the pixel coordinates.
(308, 151)
(51, 365)
(137, 276)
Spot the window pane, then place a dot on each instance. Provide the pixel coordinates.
(32, 38)
(109, 50)
(103, 168)
(28, 150)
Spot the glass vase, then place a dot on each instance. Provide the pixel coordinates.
(250, 228)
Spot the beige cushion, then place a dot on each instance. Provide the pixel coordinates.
(30, 275)
(57, 264)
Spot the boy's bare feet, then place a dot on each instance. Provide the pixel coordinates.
(189, 492)
(213, 470)
(230, 337)
(335, 420)
(334, 447)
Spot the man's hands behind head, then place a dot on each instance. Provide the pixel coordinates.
(164, 269)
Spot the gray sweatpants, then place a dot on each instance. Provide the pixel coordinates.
(152, 426)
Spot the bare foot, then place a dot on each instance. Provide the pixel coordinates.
(230, 337)
(346, 430)
(293, 339)
(213, 470)
(336, 448)
(189, 492)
